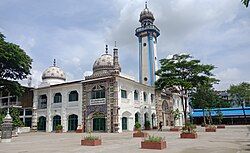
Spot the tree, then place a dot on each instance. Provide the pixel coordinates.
(15, 65)
(205, 98)
(245, 2)
(185, 73)
(176, 114)
(14, 113)
(241, 94)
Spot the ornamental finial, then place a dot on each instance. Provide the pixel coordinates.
(146, 5)
(54, 63)
(115, 43)
(106, 49)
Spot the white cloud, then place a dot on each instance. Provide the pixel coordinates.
(75, 33)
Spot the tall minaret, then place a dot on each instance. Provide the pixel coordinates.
(147, 35)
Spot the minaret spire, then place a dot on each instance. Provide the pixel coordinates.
(117, 67)
(147, 35)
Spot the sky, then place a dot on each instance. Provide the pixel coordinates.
(75, 33)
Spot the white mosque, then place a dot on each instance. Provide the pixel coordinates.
(107, 101)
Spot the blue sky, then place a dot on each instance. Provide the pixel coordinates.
(75, 33)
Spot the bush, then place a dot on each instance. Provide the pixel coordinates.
(137, 125)
(59, 127)
(188, 128)
(90, 137)
(154, 139)
(147, 124)
(212, 126)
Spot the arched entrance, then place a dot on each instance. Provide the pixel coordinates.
(153, 120)
(99, 122)
(146, 117)
(165, 113)
(124, 123)
(137, 115)
(72, 122)
(56, 121)
(41, 123)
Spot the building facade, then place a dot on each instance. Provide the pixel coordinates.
(106, 101)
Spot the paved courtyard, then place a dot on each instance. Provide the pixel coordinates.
(233, 139)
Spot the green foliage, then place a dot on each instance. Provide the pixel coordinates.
(14, 113)
(184, 72)
(147, 124)
(219, 116)
(137, 125)
(1, 119)
(15, 64)
(91, 137)
(188, 128)
(245, 2)
(240, 92)
(154, 139)
(59, 127)
(176, 113)
(204, 97)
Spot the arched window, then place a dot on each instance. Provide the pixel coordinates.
(42, 102)
(98, 92)
(145, 96)
(56, 121)
(73, 96)
(165, 106)
(152, 98)
(58, 98)
(136, 95)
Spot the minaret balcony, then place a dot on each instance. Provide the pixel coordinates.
(147, 28)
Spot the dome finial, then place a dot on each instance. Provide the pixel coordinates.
(106, 49)
(115, 43)
(146, 5)
(54, 63)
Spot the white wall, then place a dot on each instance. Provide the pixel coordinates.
(63, 109)
(129, 106)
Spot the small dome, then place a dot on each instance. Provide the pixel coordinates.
(146, 14)
(54, 72)
(105, 62)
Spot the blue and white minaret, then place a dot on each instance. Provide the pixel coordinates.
(147, 35)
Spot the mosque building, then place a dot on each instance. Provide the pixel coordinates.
(107, 101)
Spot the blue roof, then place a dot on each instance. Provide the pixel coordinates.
(226, 112)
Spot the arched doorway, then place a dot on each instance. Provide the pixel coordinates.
(137, 115)
(153, 120)
(41, 123)
(56, 121)
(124, 123)
(99, 122)
(72, 122)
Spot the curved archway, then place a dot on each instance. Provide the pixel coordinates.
(73, 96)
(153, 117)
(41, 126)
(165, 106)
(72, 122)
(56, 121)
(126, 114)
(137, 117)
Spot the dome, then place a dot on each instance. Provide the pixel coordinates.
(54, 72)
(146, 14)
(105, 62)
